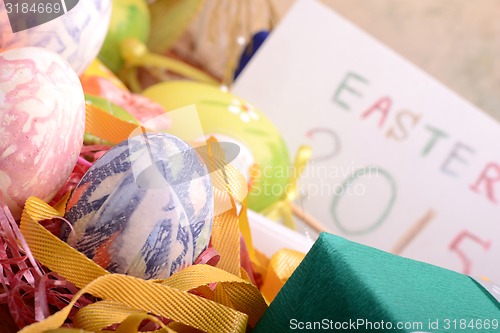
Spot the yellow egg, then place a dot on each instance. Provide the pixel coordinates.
(221, 113)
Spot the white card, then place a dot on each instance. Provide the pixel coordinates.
(400, 162)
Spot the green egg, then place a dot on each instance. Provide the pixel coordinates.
(222, 113)
(129, 19)
(112, 109)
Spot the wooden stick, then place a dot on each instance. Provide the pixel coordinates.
(412, 232)
(308, 219)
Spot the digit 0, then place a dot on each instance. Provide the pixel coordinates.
(373, 171)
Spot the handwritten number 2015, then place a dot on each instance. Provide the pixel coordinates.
(455, 246)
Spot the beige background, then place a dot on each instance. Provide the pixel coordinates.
(456, 41)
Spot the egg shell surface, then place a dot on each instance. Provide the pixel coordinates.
(129, 19)
(42, 122)
(222, 113)
(76, 36)
(99, 81)
(144, 209)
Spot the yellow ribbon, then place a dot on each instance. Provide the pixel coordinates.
(106, 126)
(282, 210)
(281, 266)
(148, 296)
(244, 227)
(133, 322)
(228, 307)
(134, 297)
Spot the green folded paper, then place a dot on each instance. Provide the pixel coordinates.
(343, 286)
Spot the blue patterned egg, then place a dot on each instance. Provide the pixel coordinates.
(76, 32)
(145, 208)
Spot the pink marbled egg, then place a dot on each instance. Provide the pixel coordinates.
(42, 122)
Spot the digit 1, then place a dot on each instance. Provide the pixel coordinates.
(454, 247)
(413, 231)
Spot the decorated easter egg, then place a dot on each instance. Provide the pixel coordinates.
(223, 113)
(96, 71)
(145, 208)
(76, 35)
(98, 81)
(110, 108)
(129, 19)
(42, 120)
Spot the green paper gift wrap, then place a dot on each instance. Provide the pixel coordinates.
(343, 286)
